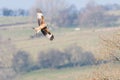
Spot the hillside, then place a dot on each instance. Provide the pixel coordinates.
(88, 39)
(16, 38)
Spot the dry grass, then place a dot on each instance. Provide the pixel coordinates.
(106, 72)
(103, 72)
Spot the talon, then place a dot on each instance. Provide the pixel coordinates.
(33, 28)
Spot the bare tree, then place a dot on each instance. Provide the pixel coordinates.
(50, 8)
(94, 15)
(91, 15)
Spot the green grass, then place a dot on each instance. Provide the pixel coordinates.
(88, 39)
(79, 73)
(52, 74)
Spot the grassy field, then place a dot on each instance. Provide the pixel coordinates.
(64, 74)
(88, 39)
(13, 20)
(101, 72)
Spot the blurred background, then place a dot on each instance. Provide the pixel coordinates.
(86, 44)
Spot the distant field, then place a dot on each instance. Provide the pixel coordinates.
(114, 12)
(13, 20)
